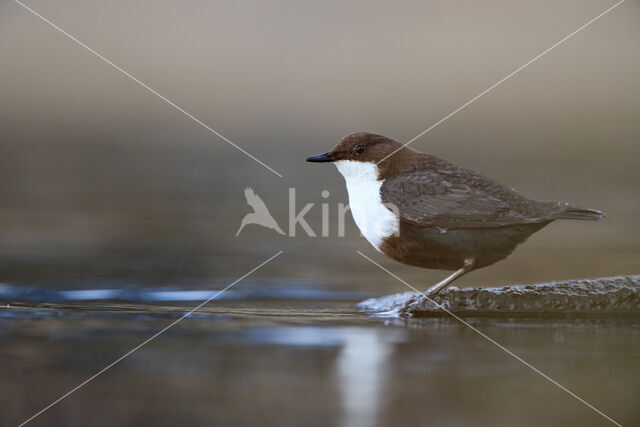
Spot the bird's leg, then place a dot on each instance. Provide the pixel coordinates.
(468, 265)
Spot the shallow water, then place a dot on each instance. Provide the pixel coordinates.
(276, 355)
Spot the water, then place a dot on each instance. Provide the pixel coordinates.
(279, 354)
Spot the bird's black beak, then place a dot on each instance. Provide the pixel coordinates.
(325, 157)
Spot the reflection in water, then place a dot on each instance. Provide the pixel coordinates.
(361, 370)
(310, 357)
(312, 363)
(362, 365)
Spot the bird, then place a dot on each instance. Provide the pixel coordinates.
(260, 214)
(424, 211)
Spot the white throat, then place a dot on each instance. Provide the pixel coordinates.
(374, 219)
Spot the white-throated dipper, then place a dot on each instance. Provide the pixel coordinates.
(421, 210)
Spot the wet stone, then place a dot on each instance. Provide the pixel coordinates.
(620, 294)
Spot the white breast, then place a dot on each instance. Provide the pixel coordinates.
(374, 219)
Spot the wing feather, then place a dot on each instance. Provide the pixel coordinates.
(432, 199)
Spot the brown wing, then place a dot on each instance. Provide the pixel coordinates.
(431, 199)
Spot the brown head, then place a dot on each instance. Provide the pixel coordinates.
(386, 152)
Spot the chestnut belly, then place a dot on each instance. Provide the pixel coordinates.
(430, 247)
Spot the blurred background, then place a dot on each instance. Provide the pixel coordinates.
(105, 186)
(103, 182)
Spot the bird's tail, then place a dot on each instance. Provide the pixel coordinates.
(574, 212)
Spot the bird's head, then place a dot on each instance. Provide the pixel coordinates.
(360, 147)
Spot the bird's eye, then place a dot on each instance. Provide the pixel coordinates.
(360, 149)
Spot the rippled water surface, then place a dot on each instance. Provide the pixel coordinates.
(282, 355)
